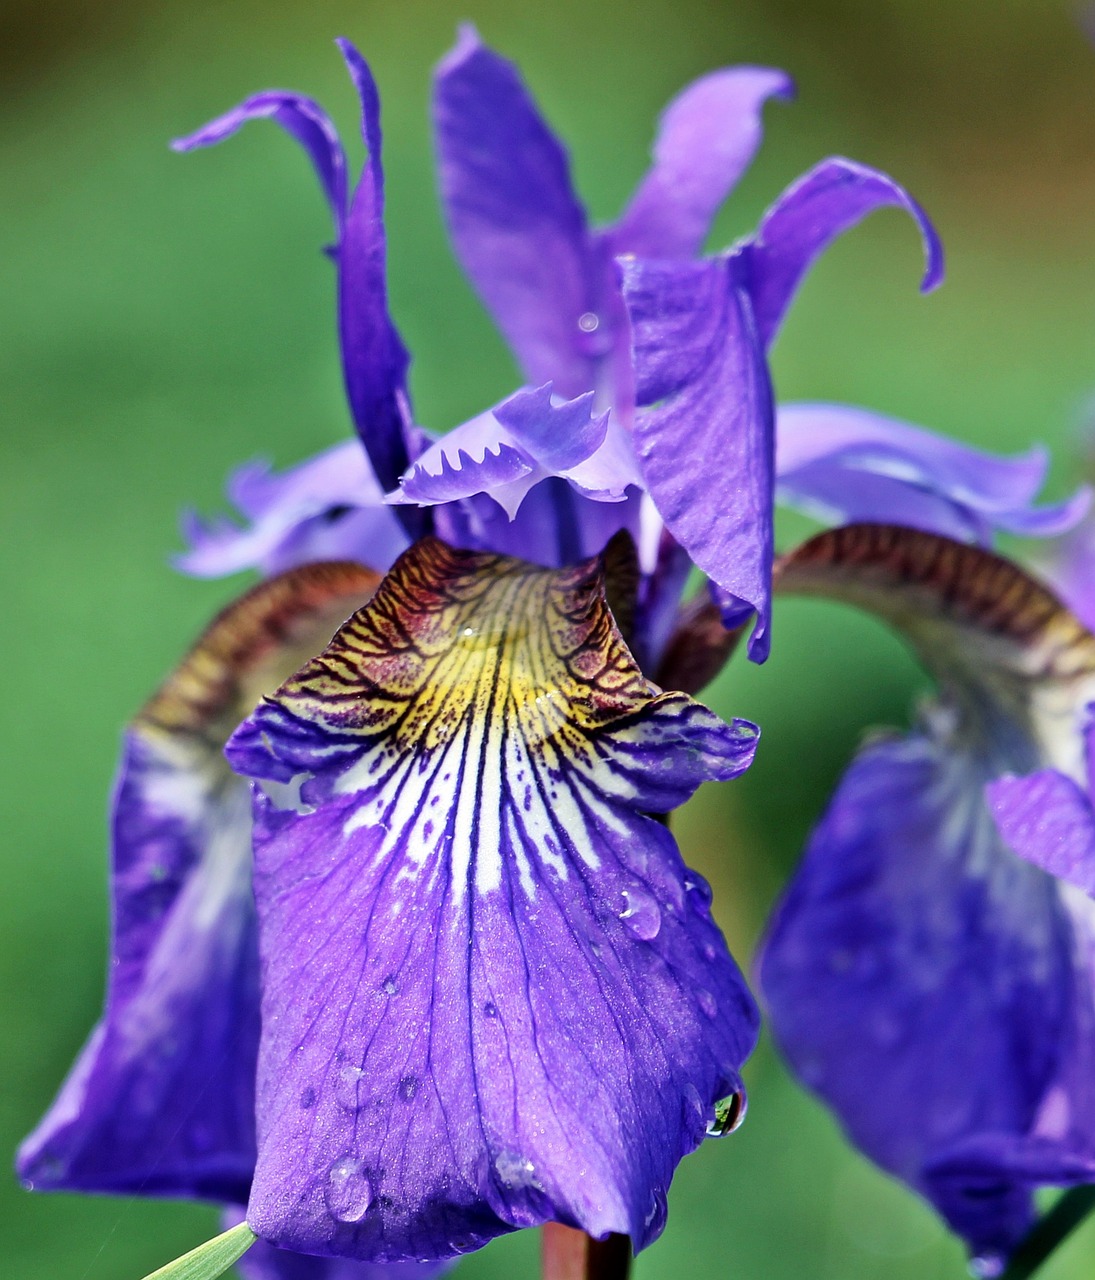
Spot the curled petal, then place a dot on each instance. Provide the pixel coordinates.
(302, 119)
(706, 140)
(808, 217)
(329, 507)
(846, 464)
(161, 1100)
(374, 359)
(703, 428)
(493, 994)
(517, 226)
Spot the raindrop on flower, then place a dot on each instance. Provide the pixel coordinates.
(515, 1171)
(408, 1087)
(987, 1266)
(389, 985)
(348, 1192)
(729, 1113)
(707, 1002)
(588, 321)
(641, 914)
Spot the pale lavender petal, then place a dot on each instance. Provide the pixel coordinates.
(374, 359)
(493, 994)
(302, 119)
(703, 429)
(706, 140)
(328, 508)
(921, 979)
(846, 464)
(808, 217)
(516, 225)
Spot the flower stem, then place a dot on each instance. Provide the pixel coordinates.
(1067, 1214)
(567, 1254)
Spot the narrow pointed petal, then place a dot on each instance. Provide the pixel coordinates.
(328, 508)
(161, 1101)
(302, 119)
(493, 995)
(374, 359)
(846, 465)
(812, 213)
(517, 227)
(704, 429)
(707, 138)
(937, 991)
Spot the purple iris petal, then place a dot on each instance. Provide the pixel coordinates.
(329, 507)
(1049, 820)
(516, 225)
(706, 140)
(920, 978)
(808, 217)
(161, 1100)
(302, 119)
(374, 359)
(846, 464)
(493, 994)
(703, 430)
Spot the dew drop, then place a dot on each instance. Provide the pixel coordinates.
(729, 1113)
(641, 914)
(589, 321)
(408, 1087)
(707, 1002)
(699, 893)
(987, 1266)
(347, 1087)
(490, 1010)
(308, 1098)
(516, 1172)
(389, 985)
(348, 1192)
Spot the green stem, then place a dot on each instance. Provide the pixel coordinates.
(1067, 1214)
(209, 1260)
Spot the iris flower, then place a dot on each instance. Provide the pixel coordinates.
(936, 990)
(492, 995)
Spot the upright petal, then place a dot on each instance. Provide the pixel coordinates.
(302, 119)
(846, 465)
(703, 428)
(808, 217)
(374, 359)
(492, 992)
(933, 988)
(516, 225)
(707, 138)
(161, 1100)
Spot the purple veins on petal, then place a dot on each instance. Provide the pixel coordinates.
(497, 1022)
(812, 213)
(161, 1100)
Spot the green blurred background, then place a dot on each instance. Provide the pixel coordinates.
(166, 317)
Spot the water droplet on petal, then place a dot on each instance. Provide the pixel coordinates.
(348, 1192)
(729, 1113)
(707, 1002)
(348, 1088)
(589, 321)
(389, 985)
(408, 1087)
(699, 893)
(490, 1010)
(516, 1172)
(641, 914)
(987, 1266)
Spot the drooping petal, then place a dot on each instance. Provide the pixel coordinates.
(161, 1100)
(808, 217)
(302, 119)
(845, 465)
(935, 990)
(328, 508)
(707, 138)
(374, 359)
(1048, 818)
(703, 428)
(493, 995)
(517, 227)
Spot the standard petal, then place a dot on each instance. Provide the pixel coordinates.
(328, 508)
(703, 428)
(516, 225)
(707, 138)
(845, 464)
(302, 119)
(493, 995)
(374, 359)
(161, 1101)
(808, 217)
